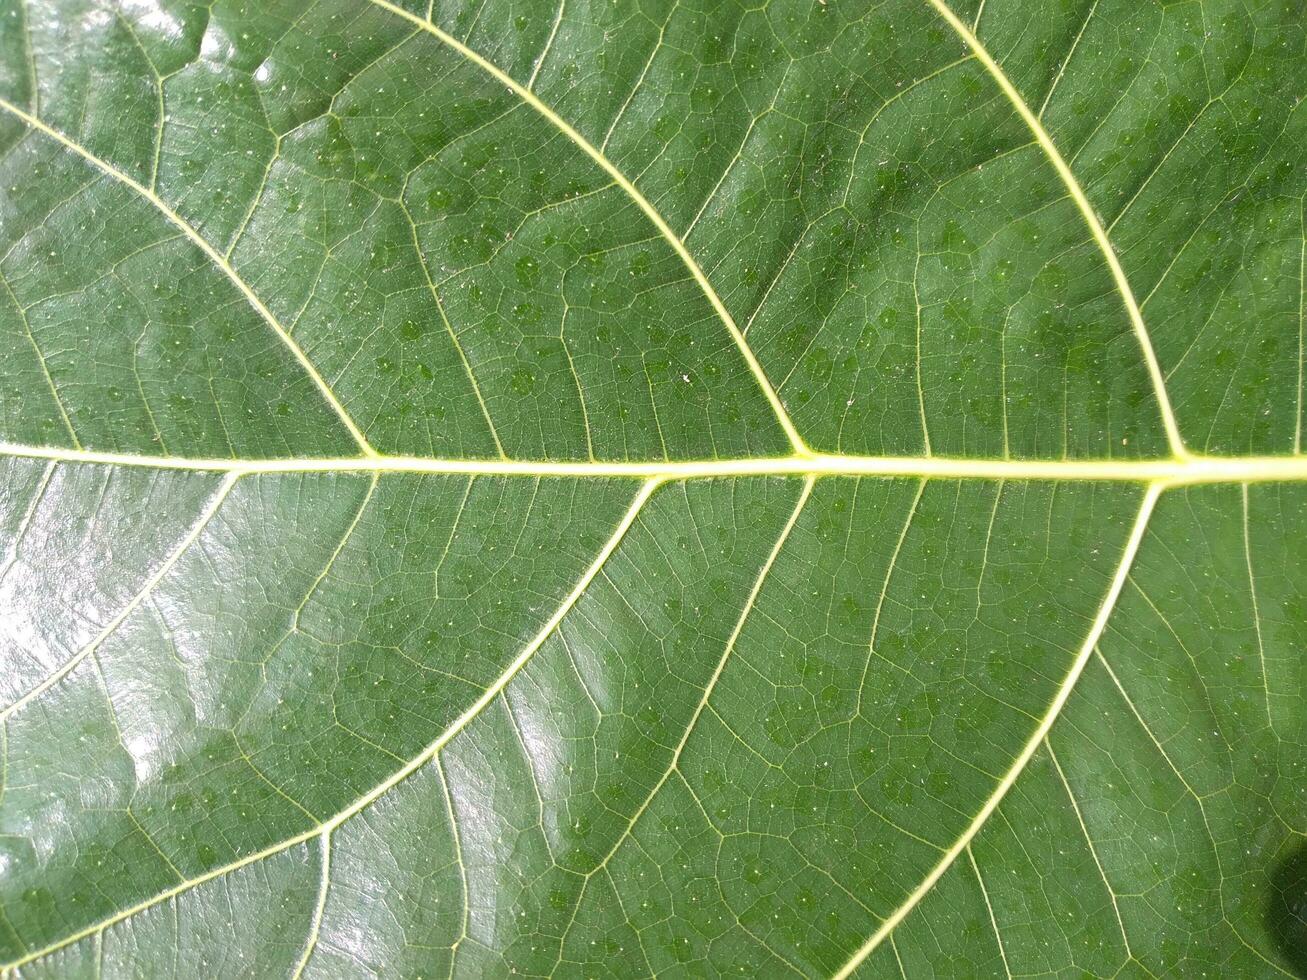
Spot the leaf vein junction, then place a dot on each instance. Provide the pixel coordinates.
(530, 98)
(1033, 743)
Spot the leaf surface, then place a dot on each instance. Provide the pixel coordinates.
(644, 487)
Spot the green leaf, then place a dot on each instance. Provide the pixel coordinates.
(640, 487)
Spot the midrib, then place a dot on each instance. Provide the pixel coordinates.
(1168, 471)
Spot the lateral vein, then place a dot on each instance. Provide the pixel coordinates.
(524, 93)
(727, 651)
(216, 257)
(1086, 209)
(1032, 743)
(417, 762)
(206, 515)
(41, 360)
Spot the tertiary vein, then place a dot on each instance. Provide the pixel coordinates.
(1180, 468)
(206, 515)
(646, 490)
(524, 93)
(1032, 744)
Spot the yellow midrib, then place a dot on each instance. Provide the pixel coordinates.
(1174, 471)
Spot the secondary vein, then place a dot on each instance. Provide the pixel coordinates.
(188, 539)
(1032, 743)
(417, 762)
(216, 257)
(1086, 209)
(530, 98)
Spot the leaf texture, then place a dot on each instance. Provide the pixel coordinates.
(624, 488)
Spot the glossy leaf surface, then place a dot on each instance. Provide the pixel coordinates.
(641, 487)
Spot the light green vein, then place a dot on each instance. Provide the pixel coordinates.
(417, 762)
(206, 515)
(319, 907)
(40, 358)
(1191, 470)
(1086, 209)
(593, 152)
(693, 722)
(1089, 840)
(993, 919)
(216, 257)
(1028, 750)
